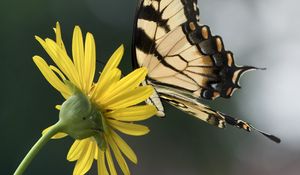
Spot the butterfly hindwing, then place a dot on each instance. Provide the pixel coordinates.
(190, 105)
(193, 107)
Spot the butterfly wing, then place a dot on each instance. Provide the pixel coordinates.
(192, 106)
(184, 56)
(181, 53)
(154, 19)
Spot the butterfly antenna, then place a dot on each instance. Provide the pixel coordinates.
(247, 127)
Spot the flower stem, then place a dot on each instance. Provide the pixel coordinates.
(36, 148)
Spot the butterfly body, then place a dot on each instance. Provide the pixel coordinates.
(185, 61)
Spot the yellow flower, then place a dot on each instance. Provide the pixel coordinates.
(114, 97)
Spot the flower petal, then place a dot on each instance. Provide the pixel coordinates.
(50, 76)
(129, 128)
(56, 136)
(113, 61)
(102, 170)
(120, 159)
(110, 162)
(78, 52)
(58, 107)
(105, 83)
(124, 147)
(61, 59)
(64, 60)
(111, 65)
(76, 149)
(50, 52)
(56, 70)
(134, 113)
(96, 153)
(127, 83)
(89, 62)
(59, 40)
(129, 98)
(85, 161)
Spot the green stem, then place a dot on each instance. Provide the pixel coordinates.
(36, 148)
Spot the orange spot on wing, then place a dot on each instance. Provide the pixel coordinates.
(204, 32)
(219, 44)
(192, 26)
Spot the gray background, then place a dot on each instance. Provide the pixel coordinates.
(264, 33)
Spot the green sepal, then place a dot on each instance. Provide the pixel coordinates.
(78, 116)
(99, 138)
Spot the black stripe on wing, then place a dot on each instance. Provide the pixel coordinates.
(135, 36)
(145, 43)
(149, 13)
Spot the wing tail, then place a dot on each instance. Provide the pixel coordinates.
(247, 127)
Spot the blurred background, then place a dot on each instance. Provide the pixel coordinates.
(260, 33)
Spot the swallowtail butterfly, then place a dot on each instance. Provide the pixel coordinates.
(185, 61)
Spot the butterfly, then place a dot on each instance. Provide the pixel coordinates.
(185, 61)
